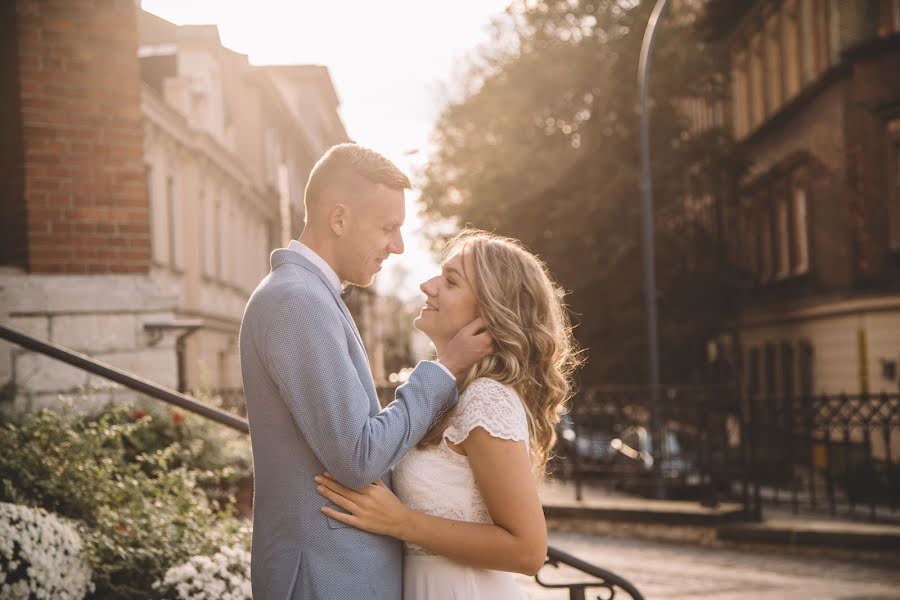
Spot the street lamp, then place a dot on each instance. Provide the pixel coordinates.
(649, 250)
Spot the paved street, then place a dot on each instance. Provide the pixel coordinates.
(663, 570)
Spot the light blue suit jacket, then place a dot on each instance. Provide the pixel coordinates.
(312, 407)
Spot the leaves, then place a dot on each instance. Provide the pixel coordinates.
(542, 145)
(141, 511)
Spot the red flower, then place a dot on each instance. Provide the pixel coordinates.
(120, 527)
(138, 414)
(177, 416)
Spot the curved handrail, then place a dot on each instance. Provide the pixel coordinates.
(606, 579)
(555, 556)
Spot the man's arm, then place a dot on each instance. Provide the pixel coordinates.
(308, 358)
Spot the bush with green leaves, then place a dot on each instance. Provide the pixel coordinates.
(220, 453)
(141, 511)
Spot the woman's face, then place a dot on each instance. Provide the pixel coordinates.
(450, 302)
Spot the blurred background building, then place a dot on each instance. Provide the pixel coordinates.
(147, 175)
(815, 217)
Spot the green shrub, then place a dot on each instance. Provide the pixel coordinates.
(142, 511)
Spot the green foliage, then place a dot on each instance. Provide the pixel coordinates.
(542, 144)
(141, 512)
(220, 454)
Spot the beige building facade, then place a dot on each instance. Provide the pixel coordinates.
(203, 158)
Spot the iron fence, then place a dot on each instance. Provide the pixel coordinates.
(829, 452)
(698, 453)
(837, 452)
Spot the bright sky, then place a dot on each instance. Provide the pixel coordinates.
(389, 61)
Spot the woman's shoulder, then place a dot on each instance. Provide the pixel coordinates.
(490, 404)
(486, 387)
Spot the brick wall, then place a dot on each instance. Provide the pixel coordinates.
(84, 190)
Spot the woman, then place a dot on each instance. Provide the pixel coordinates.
(468, 508)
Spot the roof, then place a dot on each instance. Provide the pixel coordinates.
(317, 75)
(153, 30)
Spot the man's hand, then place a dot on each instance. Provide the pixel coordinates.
(468, 346)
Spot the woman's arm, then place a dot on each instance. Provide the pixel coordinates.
(517, 539)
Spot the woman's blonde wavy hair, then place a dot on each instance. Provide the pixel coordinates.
(524, 312)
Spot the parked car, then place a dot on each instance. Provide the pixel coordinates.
(678, 468)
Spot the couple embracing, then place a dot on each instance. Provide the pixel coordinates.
(435, 495)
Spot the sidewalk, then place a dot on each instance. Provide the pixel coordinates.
(599, 503)
(726, 522)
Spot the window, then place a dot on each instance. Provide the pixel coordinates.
(805, 368)
(757, 96)
(202, 231)
(894, 192)
(208, 225)
(832, 17)
(740, 92)
(231, 260)
(787, 370)
(765, 242)
(889, 17)
(791, 42)
(753, 372)
(821, 34)
(159, 231)
(773, 62)
(750, 246)
(769, 368)
(219, 222)
(784, 238)
(801, 232)
(174, 225)
(807, 41)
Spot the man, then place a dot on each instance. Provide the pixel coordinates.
(310, 396)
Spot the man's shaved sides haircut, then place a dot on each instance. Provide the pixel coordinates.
(350, 169)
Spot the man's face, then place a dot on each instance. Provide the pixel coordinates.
(372, 233)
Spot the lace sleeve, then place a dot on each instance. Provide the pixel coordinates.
(491, 405)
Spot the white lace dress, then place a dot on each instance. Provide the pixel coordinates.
(438, 481)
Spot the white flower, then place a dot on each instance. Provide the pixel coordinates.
(225, 574)
(40, 555)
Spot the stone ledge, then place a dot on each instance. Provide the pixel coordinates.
(861, 536)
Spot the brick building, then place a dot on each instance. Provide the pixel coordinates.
(147, 173)
(814, 107)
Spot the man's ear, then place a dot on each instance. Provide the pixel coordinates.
(338, 219)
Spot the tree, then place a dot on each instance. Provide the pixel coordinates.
(542, 145)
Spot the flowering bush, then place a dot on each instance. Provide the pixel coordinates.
(224, 575)
(221, 454)
(40, 556)
(140, 514)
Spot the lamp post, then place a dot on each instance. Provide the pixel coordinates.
(649, 248)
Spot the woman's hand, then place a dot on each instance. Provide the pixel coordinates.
(373, 508)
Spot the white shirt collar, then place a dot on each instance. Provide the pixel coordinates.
(307, 252)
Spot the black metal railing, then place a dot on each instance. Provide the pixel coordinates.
(555, 557)
(608, 437)
(838, 453)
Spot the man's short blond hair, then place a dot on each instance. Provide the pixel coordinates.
(350, 168)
